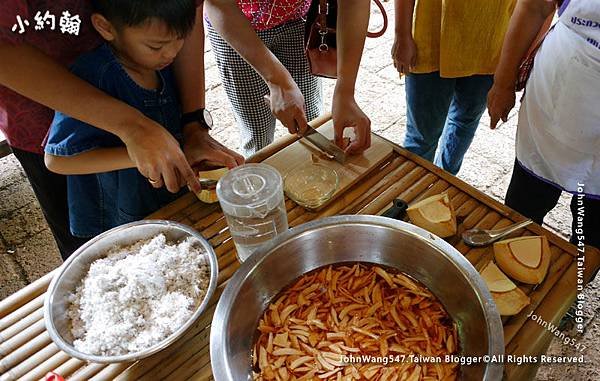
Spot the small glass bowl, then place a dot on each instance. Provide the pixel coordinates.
(311, 185)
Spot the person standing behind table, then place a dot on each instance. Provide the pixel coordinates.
(34, 81)
(262, 55)
(143, 37)
(448, 54)
(558, 133)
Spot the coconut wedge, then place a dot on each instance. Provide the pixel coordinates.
(434, 214)
(525, 259)
(509, 299)
(209, 196)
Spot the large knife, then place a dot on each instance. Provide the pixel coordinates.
(324, 144)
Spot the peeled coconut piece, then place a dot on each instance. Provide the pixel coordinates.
(525, 259)
(209, 196)
(434, 214)
(510, 300)
(496, 280)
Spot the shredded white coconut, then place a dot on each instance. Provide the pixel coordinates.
(138, 295)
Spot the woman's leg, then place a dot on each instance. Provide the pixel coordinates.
(51, 192)
(245, 90)
(428, 98)
(586, 220)
(468, 104)
(529, 195)
(288, 47)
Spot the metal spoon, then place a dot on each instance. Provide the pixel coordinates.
(482, 237)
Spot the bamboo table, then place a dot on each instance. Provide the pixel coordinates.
(27, 353)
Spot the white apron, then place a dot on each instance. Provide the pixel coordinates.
(558, 135)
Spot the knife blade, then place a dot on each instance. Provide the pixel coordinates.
(324, 144)
(208, 184)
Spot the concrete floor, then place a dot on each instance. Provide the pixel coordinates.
(27, 250)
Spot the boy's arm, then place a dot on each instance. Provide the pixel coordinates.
(31, 73)
(94, 161)
(404, 50)
(352, 24)
(525, 24)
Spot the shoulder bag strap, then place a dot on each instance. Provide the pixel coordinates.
(385, 21)
(322, 12)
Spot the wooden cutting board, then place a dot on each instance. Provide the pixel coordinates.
(355, 168)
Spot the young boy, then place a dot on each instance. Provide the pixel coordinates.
(142, 39)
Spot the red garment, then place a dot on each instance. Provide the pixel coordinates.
(23, 121)
(267, 14)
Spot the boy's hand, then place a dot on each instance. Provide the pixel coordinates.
(200, 148)
(404, 53)
(158, 157)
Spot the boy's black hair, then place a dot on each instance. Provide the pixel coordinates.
(179, 15)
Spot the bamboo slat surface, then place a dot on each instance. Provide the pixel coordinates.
(27, 353)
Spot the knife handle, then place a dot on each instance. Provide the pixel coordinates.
(397, 211)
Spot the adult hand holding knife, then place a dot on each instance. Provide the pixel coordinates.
(287, 105)
(294, 119)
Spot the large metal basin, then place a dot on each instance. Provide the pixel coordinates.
(373, 239)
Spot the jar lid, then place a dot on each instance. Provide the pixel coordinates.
(250, 190)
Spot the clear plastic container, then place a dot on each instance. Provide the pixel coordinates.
(251, 197)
